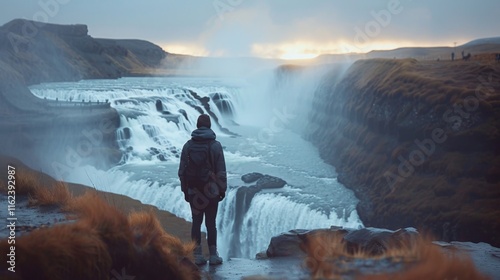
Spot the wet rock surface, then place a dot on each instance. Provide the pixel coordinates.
(292, 268)
(263, 181)
(251, 177)
(237, 268)
(286, 244)
(29, 218)
(270, 182)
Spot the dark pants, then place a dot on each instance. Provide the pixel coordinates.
(209, 210)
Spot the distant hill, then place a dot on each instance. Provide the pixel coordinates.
(429, 53)
(475, 47)
(483, 41)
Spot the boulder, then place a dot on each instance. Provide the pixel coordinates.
(262, 255)
(251, 177)
(161, 157)
(286, 244)
(159, 105)
(270, 182)
(374, 241)
(127, 133)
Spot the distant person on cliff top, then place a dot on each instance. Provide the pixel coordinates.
(202, 172)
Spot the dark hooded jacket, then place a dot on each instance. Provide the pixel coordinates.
(204, 134)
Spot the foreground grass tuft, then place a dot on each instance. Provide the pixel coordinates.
(421, 259)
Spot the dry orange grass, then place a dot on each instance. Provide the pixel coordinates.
(423, 259)
(321, 249)
(111, 224)
(57, 195)
(101, 244)
(29, 183)
(159, 251)
(432, 263)
(147, 230)
(61, 252)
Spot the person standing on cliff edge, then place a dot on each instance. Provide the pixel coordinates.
(202, 172)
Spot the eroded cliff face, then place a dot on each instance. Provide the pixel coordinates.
(418, 142)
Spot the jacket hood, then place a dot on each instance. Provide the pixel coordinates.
(203, 134)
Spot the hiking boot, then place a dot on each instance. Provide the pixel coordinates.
(214, 256)
(199, 259)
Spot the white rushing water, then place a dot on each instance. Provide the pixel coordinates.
(151, 141)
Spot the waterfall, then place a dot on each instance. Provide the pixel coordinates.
(157, 116)
(270, 214)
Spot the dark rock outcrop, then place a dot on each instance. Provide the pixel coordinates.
(159, 105)
(251, 177)
(270, 182)
(417, 142)
(286, 244)
(373, 241)
(263, 181)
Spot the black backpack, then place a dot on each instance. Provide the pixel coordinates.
(199, 165)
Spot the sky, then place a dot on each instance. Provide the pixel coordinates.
(287, 29)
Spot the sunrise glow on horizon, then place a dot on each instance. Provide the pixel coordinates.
(300, 50)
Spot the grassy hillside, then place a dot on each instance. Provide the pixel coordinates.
(477, 49)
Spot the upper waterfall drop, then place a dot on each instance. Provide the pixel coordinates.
(157, 115)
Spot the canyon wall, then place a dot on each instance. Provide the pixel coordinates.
(418, 143)
(39, 52)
